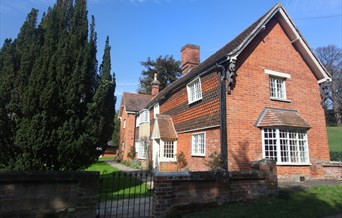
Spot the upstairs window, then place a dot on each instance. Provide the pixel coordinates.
(194, 91)
(144, 116)
(198, 144)
(278, 85)
(277, 88)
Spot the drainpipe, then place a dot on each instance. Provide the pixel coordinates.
(223, 117)
(225, 74)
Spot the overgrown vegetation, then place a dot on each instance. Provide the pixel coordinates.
(317, 201)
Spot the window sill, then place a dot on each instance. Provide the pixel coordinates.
(279, 99)
(293, 164)
(197, 155)
(168, 160)
(189, 103)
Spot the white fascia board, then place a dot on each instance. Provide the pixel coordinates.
(298, 39)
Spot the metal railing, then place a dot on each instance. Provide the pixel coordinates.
(126, 194)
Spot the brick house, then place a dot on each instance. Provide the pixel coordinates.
(131, 104)
(257, 97)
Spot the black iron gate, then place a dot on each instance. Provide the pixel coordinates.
(126, 194)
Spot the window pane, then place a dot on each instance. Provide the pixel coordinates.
(168, 149)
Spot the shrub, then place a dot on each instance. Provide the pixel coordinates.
(131, 153)
(214, 162)
(181, 161)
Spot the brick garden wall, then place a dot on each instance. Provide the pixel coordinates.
(184, 190)
(48, 194)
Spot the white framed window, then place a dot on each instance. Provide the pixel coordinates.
(277, 84)
(168, 150)
(277, 88)
(194, 90)
(123, 146)
(141, 150)
(198, 144)
(144, 116)
(124, 124)
(155, 110)
(285, 146)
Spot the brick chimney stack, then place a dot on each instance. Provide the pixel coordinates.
(155, 86)
(190, 57)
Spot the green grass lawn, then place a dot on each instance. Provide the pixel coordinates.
(114, 185)
(335, 138)
(317, 201)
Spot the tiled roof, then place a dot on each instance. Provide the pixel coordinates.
(166, 128)
(220, 55)
(135, 102)
(275, 117)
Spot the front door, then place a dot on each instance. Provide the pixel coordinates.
(155, 152)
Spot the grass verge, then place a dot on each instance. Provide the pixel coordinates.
(317, 201)
(116, 185)
(335, 138)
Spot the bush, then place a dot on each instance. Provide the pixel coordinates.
(335, 155)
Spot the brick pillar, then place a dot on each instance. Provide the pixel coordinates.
(270, 168)
(164, 185)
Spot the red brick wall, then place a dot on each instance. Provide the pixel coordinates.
(198, 163)
(126, 134)
(272, 50)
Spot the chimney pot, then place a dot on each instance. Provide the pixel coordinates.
(155, 85)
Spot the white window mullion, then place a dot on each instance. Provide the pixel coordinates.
(263, 142)
(278, 146)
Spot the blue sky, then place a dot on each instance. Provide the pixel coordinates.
(148, 28)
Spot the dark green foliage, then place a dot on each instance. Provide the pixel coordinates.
(116, 133)
(168, 70)
(55, 110)
(336, 155)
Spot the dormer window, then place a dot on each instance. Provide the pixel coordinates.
(277, 85)
(194, 90)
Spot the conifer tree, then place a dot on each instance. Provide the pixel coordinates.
(54, 110)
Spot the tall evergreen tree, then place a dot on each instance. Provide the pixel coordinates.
(168, 70)
(52, 104)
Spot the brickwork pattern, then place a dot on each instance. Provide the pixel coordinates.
(126, 134)
(179, 190)
(48, 194)
(272, 50)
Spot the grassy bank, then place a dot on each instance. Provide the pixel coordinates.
(116, 186)
(335, 138)
(317, 201)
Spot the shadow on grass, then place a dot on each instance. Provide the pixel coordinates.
(121, 185)
(319, 201)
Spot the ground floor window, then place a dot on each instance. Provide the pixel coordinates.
(288, 146)
(141, 150)
(168, 150)
(198, 144)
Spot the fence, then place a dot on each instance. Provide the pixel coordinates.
(126, 194)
